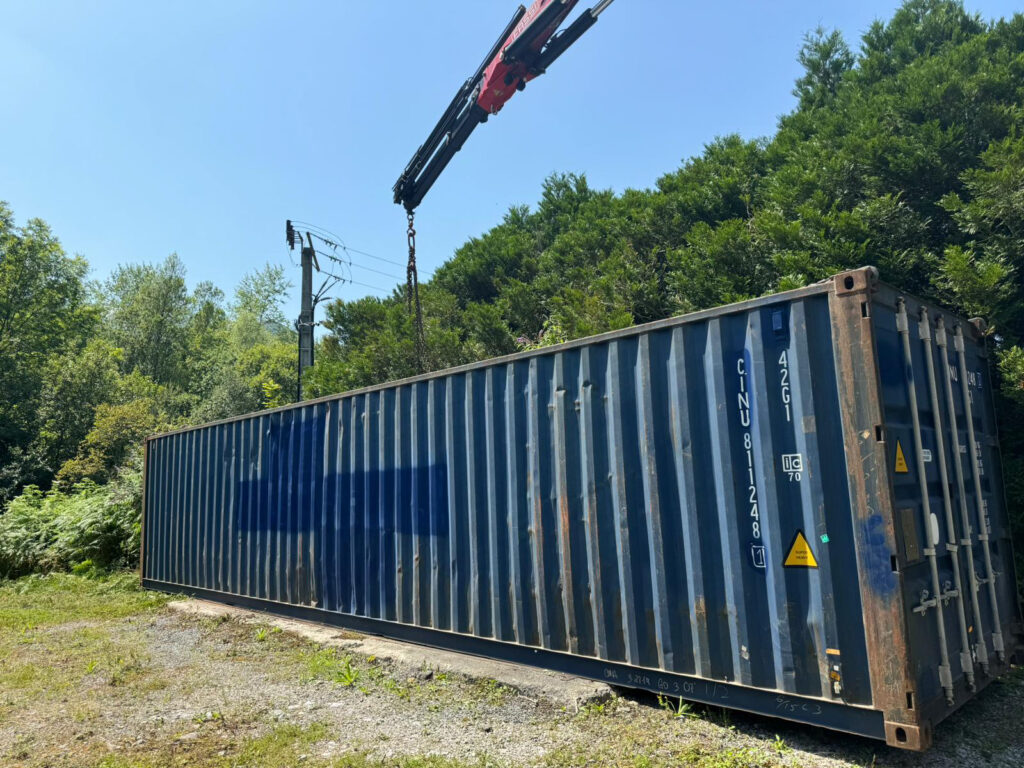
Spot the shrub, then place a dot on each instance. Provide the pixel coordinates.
(59, 530)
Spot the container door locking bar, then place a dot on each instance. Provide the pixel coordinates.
(966, 662)
(931, 530)
(979, 500)
(966, 541)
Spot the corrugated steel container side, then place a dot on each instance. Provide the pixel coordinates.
(626, 507)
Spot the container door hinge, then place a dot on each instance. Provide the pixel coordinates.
(981, 654)
(997, 644)
(967, 664)
(946, 680)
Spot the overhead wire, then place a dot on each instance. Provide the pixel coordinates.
(334, 242)
(354, 265)
(371, 287)
(333, 239)
(375, 271)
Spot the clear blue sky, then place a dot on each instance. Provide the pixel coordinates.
(138, 129)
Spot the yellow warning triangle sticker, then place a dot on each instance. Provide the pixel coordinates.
(901, 460)
(800, 555)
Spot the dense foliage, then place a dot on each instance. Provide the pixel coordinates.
(88, 370)
(907, 154)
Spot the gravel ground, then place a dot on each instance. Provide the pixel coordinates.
(166, 688)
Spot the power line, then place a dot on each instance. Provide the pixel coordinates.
(370, 255)
(337, 241)
(376, 271)
(378, 258)
(372, 287)
(352, 264)
(308, 298)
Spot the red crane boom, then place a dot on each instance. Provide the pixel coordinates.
(530, 43)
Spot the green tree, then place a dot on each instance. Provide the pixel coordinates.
(43, 312)
(75, 385)
(261, 294)
(825, 58)
(116, 431)
(149, 311)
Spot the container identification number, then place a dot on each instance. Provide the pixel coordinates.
(743, 401)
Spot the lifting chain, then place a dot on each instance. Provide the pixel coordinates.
(412, 295)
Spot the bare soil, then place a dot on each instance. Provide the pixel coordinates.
(152, 686)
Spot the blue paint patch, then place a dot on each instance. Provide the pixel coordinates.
(361, 501)
(877, 557)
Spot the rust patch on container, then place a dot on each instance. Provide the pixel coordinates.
(871, 499)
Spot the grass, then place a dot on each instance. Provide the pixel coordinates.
(492, 692)
(78, 654)
(628, 755)
(286, 746)
(71, 639)
(36, 602)
(49, 641)
(328, 664)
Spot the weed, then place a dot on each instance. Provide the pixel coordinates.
(127, 667)
(491, 691)
(680, 709)
(594, 709)
(383, 680)
(261, 634)
(325, 664)
(779, 745)
(208, 717)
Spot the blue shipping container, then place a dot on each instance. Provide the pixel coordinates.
(791, 506)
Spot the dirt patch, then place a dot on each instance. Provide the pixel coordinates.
(560, 690)
(167, 687)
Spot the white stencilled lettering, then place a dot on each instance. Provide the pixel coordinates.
(748, 447)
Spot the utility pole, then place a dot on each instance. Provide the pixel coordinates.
(306, 311)
(305, 323)
(310, 297)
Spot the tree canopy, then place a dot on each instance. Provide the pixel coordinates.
(88, 370)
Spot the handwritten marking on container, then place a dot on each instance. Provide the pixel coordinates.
(797, 707)
(700, 690)
(800, 554)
